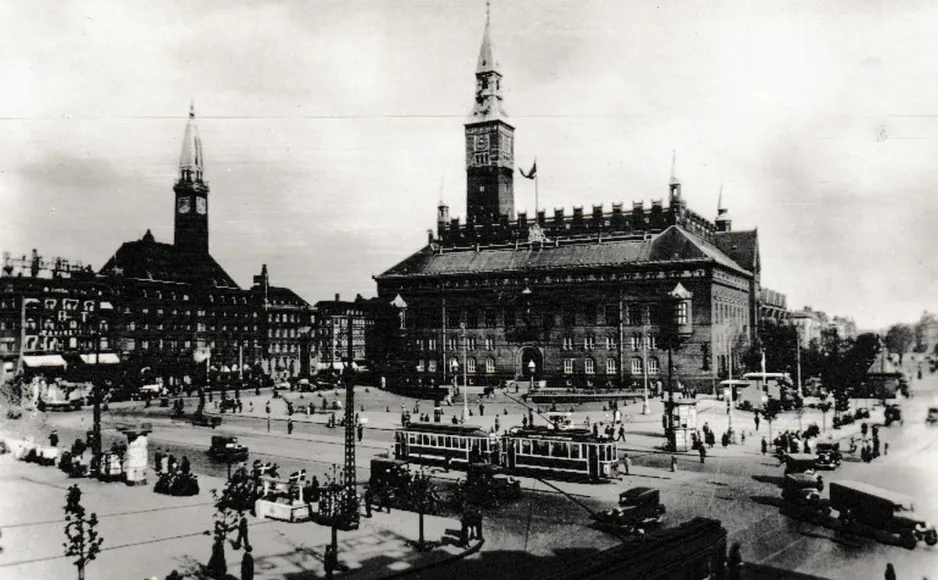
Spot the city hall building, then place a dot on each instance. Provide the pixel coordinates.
(574, 297)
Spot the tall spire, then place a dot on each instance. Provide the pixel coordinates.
(674, 184)
(190, 160)
(724, 223)
(488, 102)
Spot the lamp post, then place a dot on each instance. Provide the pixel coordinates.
(679, 322)
(465, 381)
(96, 393)
(728, 338)
(532, 366)
(645, 407)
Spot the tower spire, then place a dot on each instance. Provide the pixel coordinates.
(190, 160)
(724, 223)
(488, 102)
(674, 183)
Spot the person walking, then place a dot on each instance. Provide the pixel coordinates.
(361, 432)
(756, 419)
(290, 426)
(765, 446)
(242, 539)
(621, 436)
(185, 467)
(54, 438)
(890, 572)
(702, 450)
(247, 564)
(734, 562)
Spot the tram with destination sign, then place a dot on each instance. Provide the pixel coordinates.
(543, 452)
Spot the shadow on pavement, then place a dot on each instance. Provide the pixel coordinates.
(777, 480)
(508, 564)
(767, 500)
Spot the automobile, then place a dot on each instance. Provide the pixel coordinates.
(226, 448)
(862, 505)
(202, 420)
(932, 416)
(828, 455)
(892, 413)
(639, 507)
(801, 495)
(805, 464)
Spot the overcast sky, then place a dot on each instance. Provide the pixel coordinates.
(328, 128)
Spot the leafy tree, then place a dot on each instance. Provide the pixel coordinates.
(771, 411)
(81, 532)
(825, 407)
(422, 497)
(899, 339)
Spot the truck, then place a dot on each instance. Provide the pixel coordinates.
(861, 505)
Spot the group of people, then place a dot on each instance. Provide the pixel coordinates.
(167, 463)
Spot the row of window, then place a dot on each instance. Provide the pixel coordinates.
(456, 342)
(54, 343)
(633, 314)
(570, 366)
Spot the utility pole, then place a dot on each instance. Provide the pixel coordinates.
(798, 359)
(465, 384)
(645, 407)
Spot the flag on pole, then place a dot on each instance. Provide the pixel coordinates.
(530, 174)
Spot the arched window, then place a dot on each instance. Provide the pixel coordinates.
(470, 365)
(636, 366)
(490, 365)
(590, 365)
(610, 366)
(652, 366)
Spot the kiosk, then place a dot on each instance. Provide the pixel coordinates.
(685, 422)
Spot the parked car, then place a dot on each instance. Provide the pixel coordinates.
(932, 416)
(802, 496)
(639, 508)
(226, 448)
(805, 464)
(892, 414)
(828, 455)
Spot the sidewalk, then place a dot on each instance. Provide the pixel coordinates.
(146, 534)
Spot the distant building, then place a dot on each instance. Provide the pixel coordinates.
(169, 301)
(773, 306)
(809, 324)
(578, 298)
(335, 319)
(845, 326)
(926, 333)
(54, 316)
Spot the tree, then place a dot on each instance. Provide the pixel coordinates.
(899, 339)
(81, 532)
(770, 412)
(422, 497)
(824, 407)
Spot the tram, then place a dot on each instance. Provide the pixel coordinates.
(535, 451)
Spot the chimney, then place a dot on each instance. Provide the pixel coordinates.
(336, 296)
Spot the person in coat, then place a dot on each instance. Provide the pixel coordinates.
(247, 564)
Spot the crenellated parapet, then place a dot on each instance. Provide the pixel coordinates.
(579, 222)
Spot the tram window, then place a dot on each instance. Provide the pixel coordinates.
(526, 447)
(574, 451)
(448, 441)
(424, 439)
(559, 450)
(602, 452)
(485, 445)
(542, 448)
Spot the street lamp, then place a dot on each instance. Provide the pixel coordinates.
(679, 321)
(465, 381)
(645, 407)
(533, 368)
(96, 393)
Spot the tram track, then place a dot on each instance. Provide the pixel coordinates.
(109, 515)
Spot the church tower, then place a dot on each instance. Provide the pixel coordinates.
(489, 143)
(191, 223)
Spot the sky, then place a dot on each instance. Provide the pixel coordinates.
(332, 129)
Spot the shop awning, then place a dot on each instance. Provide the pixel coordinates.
(44, 360)
(105, 358)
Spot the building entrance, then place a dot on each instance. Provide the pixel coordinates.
(530, 363)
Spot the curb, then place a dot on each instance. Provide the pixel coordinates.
(467, 552)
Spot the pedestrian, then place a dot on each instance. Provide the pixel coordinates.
(756, 419)
(54, 438)
(158, 459)
(242, 539)
(702, 450)
(481, 409)
(765, 446)
(621, 436)
(890, 572)
(217, 566)
(447, 463)
(247, 564)
(368, 499)
(361, 432)
(185, 467)
(626, 463)
(886, 448)
(267, 407)
(735, 562)
(524, 421)
(290, 426)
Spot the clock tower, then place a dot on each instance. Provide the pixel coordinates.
(490, 144)
(191, 207)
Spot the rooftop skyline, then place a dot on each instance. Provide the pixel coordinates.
(328, 128)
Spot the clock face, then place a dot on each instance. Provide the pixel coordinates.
(182, 205)
(482, 143)
(200, 205)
